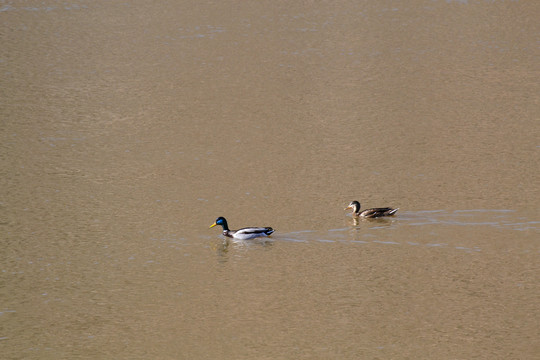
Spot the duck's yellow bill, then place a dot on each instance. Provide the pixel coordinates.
(211, 226)
(348, 207)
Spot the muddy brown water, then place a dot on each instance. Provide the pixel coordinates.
(127, 127)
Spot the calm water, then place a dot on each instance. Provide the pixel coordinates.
(127, 127)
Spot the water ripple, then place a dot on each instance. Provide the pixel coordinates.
(432, 228)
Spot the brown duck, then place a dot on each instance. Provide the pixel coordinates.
(370, 213)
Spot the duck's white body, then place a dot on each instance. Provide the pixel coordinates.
(244, 233)
(249, 232)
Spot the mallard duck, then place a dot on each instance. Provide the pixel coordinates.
(370, 213)
(244, 233)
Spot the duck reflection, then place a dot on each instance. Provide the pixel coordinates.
(371, 223)
(223, 247)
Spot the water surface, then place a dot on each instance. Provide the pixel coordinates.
(127, 128)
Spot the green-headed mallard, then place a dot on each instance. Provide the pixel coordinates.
(370, 213)
(244, 233)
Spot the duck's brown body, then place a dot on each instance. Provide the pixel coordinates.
(370, 213)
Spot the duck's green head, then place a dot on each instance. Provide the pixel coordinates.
(220, 221)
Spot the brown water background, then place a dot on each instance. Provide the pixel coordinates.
(127, 127)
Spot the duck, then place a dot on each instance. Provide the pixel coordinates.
(244, 233)
(370, 213)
